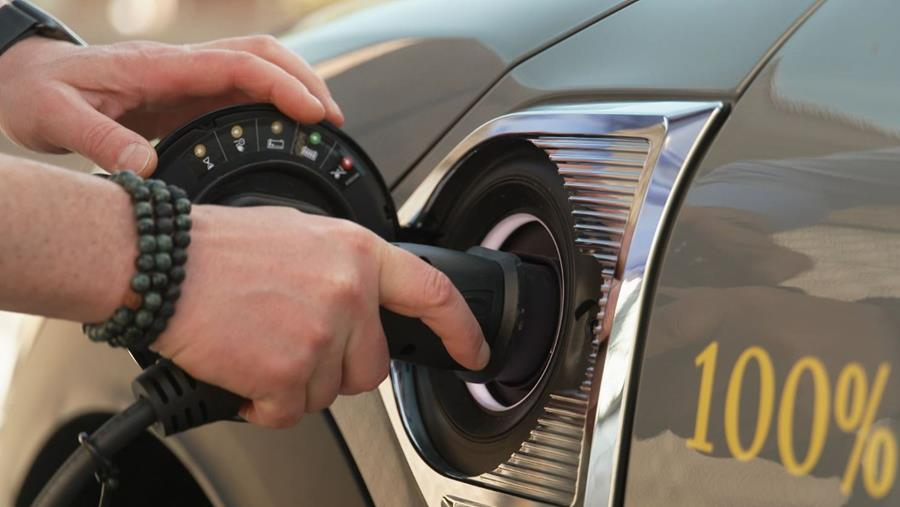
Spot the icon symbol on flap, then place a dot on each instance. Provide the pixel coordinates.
(240, 144)
(275, 144)
(309, 153)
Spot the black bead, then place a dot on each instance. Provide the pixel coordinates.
(158, 326)
(161, 194)
(183, 222)
(140, 282)
(159, 280)
(147, 243)
(143, 209)
(143, 318)
(182, 206)
(163, 261)
(164, 209)
(163, 243)
(177, 274)
(145, 226)
(173, 293)
(152, 300)
(140, 193)
(179, 256)
(132, 335)
(145, 262)
(123, 316)
(182, 238)
(165, 225)
(167, 309)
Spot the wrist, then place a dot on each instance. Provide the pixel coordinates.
(114, 290)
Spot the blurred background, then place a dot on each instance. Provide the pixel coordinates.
(173, 21)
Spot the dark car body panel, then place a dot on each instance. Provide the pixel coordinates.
(416, 65)
(589, 66)
(786, 241)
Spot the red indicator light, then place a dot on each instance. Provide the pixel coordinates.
(347, 163)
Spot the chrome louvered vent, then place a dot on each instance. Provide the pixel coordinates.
(620, 164)
(602, 176)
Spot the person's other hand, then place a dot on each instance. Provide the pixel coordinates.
(282, 308)
(104, 102)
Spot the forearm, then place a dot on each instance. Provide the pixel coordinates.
(67, 242)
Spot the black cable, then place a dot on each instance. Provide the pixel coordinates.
(165, 395)
(110, 438)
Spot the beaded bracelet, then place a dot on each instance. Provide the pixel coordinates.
(162, 215)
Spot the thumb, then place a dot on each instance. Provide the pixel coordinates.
(110, 145)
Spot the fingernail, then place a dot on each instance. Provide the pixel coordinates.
(336, 108)
(134, 157)
(484, 355)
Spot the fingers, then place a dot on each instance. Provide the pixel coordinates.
(81, 128)
(366, 359)
(411, 287)
(175, 75)
(271, 50)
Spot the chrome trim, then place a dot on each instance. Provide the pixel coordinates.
(673, 131)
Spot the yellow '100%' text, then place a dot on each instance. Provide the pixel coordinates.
(854, 405)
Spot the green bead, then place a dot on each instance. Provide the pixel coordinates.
(177, 192)
(140, 282)
(182, 238)
(128, 177)
(161, 194)
(164, 209)
(112, 329)
(143, 209)
(159, 280)
(179, 256)
(123, 316)
(155, 184)
(177, 274)
(173, 293)
(145, 226)
(143, 318)
(162, 261)
(165, 225)
(182, 206)
(141, 193)
(167, 309)
(163, 243)
(147, 243)
(93, 333)
(183, 222)
(145, 262)
(152, 300)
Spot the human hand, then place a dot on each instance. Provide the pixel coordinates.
(282, 308)
(104, 102)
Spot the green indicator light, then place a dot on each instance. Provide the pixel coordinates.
(315, 138)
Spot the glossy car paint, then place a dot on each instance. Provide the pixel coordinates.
(616, 59)
(786, 241)
(404, 70)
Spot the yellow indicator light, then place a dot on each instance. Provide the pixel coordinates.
(200, 151)
(237, 132)
(277, 127)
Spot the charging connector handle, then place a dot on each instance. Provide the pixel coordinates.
(488, 280)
